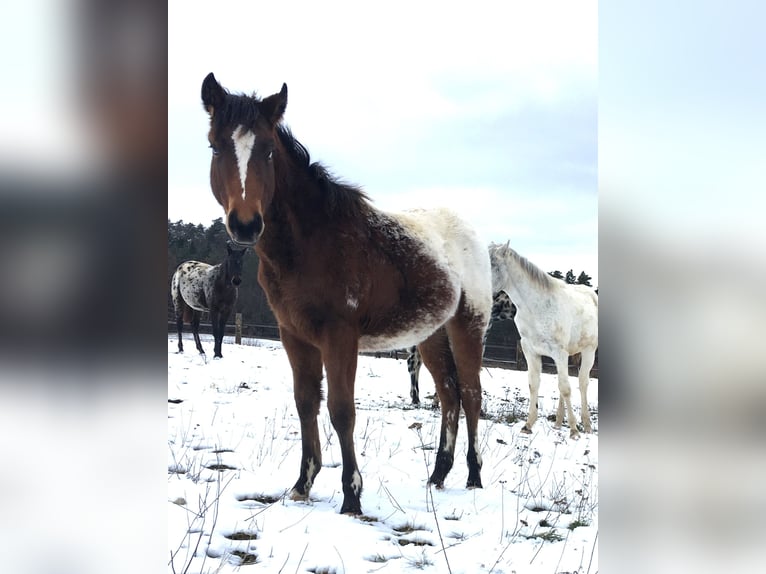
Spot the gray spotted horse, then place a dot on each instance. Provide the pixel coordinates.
(502, 309)
(555, 319)
(198, 287)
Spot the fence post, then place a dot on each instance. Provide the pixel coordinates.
(238, 328)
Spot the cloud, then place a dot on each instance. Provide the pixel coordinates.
(492, 110)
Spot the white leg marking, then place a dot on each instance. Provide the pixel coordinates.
(243, 147)
(310, 480)
(450, 445)
(476, 448)
(356, 482)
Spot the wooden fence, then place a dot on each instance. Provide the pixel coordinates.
(506, 356)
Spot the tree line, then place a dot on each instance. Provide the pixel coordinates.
(189, 241)
(582, 279)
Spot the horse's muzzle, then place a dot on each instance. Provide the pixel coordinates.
(244, 234)
(236, 281)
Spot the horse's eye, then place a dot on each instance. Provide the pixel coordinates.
(215, 149)
(270, 155)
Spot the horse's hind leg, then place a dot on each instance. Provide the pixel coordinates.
(413, 366)
(437, 357)
(306, 363)
(466, 341)
(565, 395)
(587, 359)
(195, 331)
(180, 325)
(534, 366)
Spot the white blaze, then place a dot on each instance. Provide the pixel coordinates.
(243, 147)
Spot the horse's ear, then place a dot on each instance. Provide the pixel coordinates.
(273, 107)
(213, 94)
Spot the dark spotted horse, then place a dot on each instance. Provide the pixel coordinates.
(197, 287)
(379, 281)
(502, 309)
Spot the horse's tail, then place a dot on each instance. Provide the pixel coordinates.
(175, 291)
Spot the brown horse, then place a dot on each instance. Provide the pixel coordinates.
(376, 280)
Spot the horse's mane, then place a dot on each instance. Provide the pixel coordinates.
(532, 271)
(237, 109)
(338, 197)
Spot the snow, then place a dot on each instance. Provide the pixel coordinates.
(234, 450)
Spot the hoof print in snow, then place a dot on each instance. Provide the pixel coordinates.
(221, 467)
(244, 557)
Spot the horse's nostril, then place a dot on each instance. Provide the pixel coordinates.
(236, 281)
(245, 233)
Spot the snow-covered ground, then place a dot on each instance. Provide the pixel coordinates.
(234, 449)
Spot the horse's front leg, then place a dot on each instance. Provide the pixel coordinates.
(565, 396)
(339, 354)
(306, 363)
(534, 367)
(218, 319)
(216, 339)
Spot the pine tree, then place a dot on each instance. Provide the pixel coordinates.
(584, 279)
(557, 274)
(570, 277)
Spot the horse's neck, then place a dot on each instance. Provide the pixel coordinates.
(218, 273)
(283, 220)
(520, 285)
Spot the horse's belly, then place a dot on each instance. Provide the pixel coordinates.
(404, 329)
(400, 340)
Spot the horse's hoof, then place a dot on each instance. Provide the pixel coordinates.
(526, 430)
(351, 508)
(574, 435)
(297, 496)
(471, 484)
(437, 485)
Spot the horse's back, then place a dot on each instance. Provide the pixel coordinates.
(432, 260)
(455, 245)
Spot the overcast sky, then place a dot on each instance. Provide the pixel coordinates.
(490, 108)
